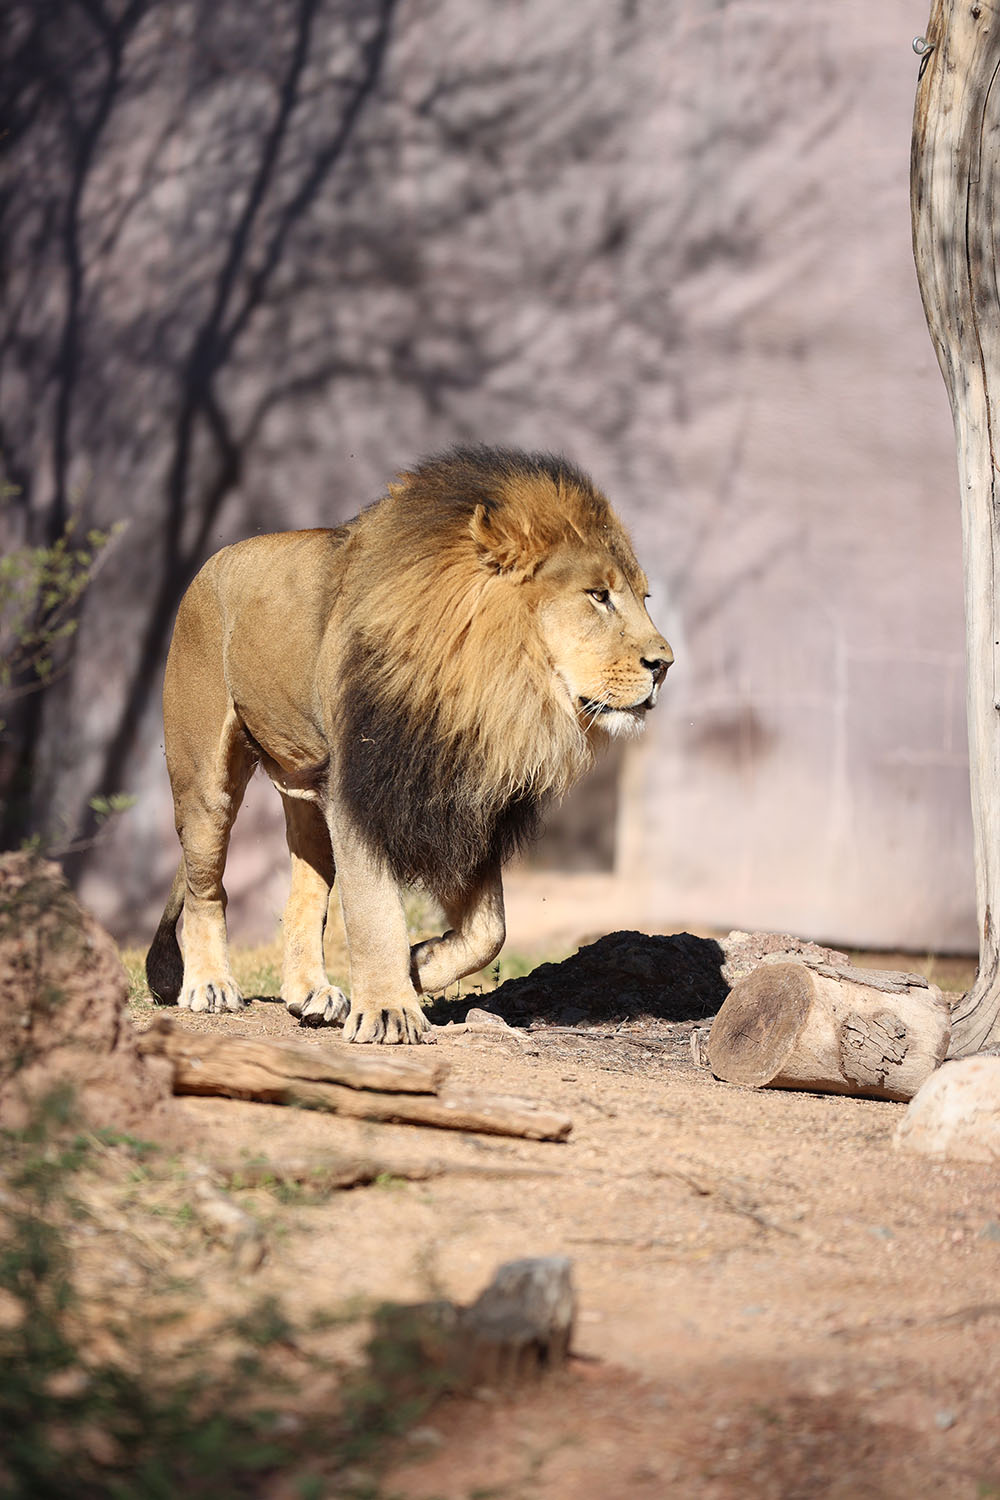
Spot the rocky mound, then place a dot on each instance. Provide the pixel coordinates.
(63, 1013)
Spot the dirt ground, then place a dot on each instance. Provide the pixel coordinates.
(773, 1302)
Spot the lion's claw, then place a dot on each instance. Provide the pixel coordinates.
(324, 1006)
(215, 996)
(390, 1025)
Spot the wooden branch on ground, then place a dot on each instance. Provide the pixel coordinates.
(652, 1044)
(394, 1088)
(259, 1065)
(831, 1029)
(481, 1023)
(338, 1173)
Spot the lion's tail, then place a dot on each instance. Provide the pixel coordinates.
(164, 961)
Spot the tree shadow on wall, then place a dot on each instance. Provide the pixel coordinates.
(213, 216)
(194, 235)
(254, 252)
(619, 977)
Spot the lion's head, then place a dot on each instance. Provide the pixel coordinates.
(498, 619)
(604, 648)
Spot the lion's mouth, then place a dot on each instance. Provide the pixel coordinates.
(592, 707)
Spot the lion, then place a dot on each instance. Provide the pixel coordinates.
(418, 684)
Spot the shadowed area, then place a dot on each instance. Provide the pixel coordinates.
(617, 978)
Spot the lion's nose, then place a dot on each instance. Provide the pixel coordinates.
(657, 665)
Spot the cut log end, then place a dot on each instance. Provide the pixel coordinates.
(752, 1038)
(795, 1026)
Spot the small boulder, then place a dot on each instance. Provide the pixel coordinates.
(956, 1113)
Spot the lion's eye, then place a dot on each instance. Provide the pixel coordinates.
(600, 596)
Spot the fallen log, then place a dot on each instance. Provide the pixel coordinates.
(832, 1029)
(363, 1086)
(258, 1065)
(330, 1174)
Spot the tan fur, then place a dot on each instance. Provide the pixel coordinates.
(466, 611)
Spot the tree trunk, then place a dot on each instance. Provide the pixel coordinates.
(954, 191)
(836, 1031)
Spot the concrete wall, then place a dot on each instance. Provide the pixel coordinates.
(669, 239)
(811, 771)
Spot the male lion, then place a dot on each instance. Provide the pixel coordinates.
(417, 684)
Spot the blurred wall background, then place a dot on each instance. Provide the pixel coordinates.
(258, 254)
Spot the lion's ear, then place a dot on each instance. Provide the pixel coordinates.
(506, 542)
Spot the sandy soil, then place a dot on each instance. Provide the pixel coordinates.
(773, 1301)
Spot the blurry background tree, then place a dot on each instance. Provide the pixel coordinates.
(257, 255)
(41, 588)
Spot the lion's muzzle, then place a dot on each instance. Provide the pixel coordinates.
(658, 666)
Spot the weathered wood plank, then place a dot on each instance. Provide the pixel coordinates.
(239, 1068)
(238, 1058)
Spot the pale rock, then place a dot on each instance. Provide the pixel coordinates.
(956, 1113)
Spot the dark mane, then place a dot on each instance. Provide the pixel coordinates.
(413, 788)
(453, 728)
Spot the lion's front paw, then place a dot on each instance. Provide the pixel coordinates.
(388, 1024)
(215, 996)
(323, 1006)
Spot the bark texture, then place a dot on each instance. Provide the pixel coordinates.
(955, 181)
(400, 1089)
(833, 1030)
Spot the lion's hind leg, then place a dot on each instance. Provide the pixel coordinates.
(305, 988)
(208, 786)
(164, 961)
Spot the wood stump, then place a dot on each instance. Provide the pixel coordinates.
(831, 1029)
